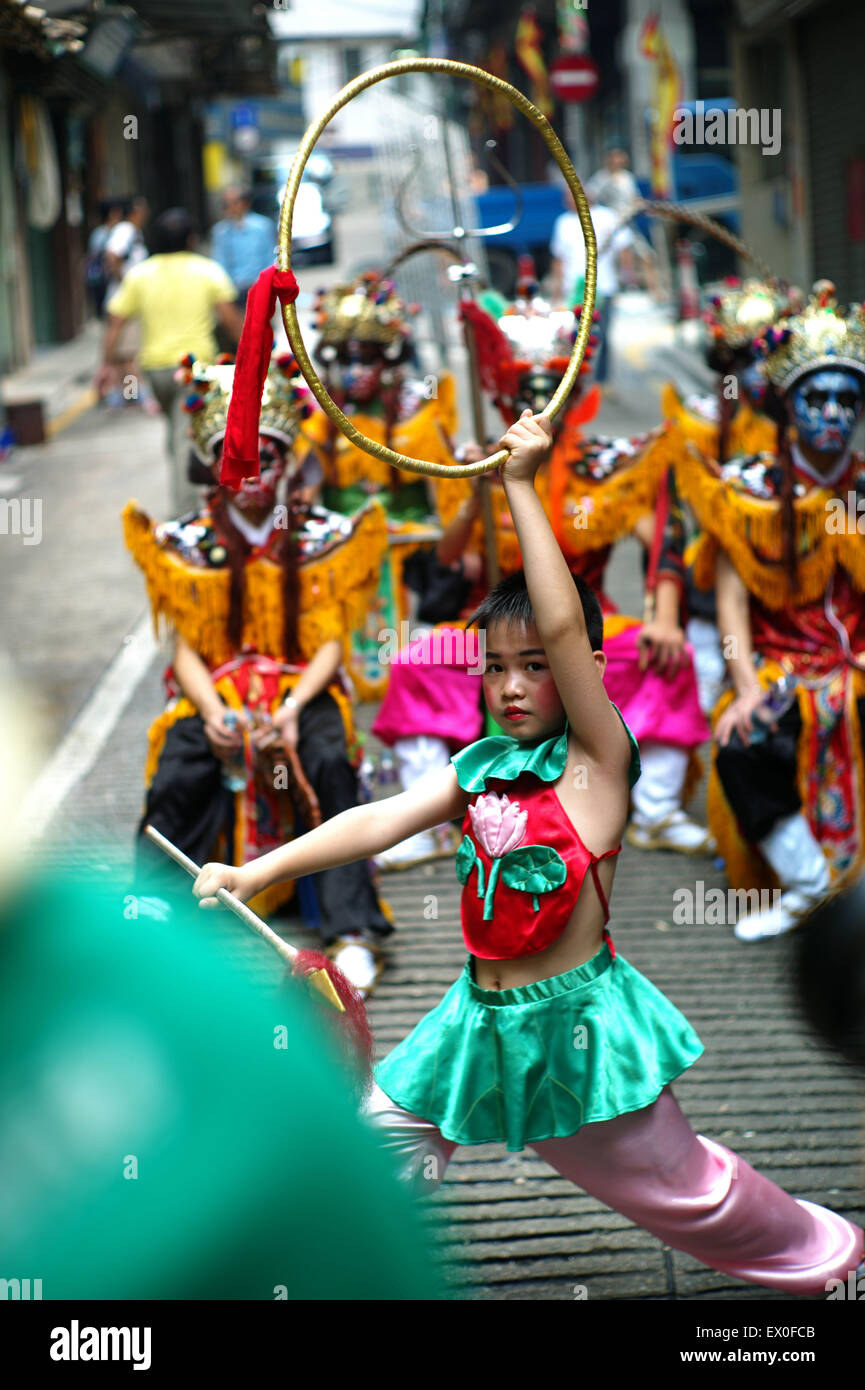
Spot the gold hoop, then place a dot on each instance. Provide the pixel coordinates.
(289, 311)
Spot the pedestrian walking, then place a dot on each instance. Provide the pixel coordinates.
(176, 296)
(615, 187)
(96, 275)
(124, 248)
(568, 252)
(244, 242)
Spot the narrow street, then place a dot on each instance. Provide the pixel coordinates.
(76, 627)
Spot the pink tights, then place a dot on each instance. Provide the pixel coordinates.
(690, 1192)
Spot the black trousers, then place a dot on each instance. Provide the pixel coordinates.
(188, 802)
(760, 781)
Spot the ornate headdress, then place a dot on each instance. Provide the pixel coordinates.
(821, 337)
(368, 311)
(540, 339)
(745, 310)
(285, 401)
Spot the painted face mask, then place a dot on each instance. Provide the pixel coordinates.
(826, 406)
(261, 491)
(358, 372)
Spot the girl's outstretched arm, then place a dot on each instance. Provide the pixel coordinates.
(359, 833)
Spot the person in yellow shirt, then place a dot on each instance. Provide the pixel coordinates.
(178, 297)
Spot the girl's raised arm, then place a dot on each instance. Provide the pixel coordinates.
(556, 603)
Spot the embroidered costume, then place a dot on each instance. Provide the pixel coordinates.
(255, 603)
(484, 1067)
(792, 803)
(365, 351)
(578, 1066)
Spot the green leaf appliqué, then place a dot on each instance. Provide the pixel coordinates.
(466, 860)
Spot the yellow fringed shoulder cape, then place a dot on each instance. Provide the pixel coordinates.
(336, 589)
(592, 514)
(750, 432)
(424, 435)
(597, 514)
(750, 530)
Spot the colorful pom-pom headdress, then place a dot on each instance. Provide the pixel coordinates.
(539, 341)
(745, 310)
(822, 337)
(368, 311)
(286, 401)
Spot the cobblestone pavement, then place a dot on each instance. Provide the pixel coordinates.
(507, 1224)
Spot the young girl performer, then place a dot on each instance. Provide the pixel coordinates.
(549, 1039)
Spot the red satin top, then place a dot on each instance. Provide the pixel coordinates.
(528, 868)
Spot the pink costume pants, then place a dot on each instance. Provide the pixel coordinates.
(690, 1192)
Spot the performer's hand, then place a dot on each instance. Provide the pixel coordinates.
(285, 723)
(224, 741)
(215, 876)
(739, 717)
(473, 565)
(102, 379)
(662, 645)
(530, 441)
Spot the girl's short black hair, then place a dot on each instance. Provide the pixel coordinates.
(509, 602)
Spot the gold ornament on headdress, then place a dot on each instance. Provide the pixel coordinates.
(369, 311)
(285, 402)
(821, 337)
(744, 311)
(289, 311)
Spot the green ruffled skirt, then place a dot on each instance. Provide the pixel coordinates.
(521, 1065)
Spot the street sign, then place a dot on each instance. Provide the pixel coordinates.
(243, 116)
(574, 77)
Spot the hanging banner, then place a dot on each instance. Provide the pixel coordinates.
(527, 45)
(666, 95)
(573, 26)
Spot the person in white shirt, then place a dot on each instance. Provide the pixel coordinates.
(569, 268)
(615, 186)
(124, 249)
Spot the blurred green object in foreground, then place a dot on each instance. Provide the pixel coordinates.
(170, 1128)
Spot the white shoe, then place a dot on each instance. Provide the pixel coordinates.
(799, 864)
(675, 832)
(775, 921)
(359, 961)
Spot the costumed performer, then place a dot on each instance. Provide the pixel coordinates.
(786, 796)
(366, 355)
(725, 425)
(263, 588)
(596, 491)
(549, 1038)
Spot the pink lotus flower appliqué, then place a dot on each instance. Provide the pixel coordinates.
(498, 823)
(499, 826)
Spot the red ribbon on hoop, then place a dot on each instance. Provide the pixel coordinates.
(240, 446)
